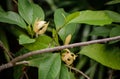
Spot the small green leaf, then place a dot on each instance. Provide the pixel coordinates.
(24, 39)
(104, 54)
(55, 36)
(92, 17)
(50, 68)
(41, 42)
(64, 74)
(12, 18)
(25, 10)
(37, 12)
(113, 15)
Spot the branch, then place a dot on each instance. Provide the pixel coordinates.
(78, 71)
(19, 58)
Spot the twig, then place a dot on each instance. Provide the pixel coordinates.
(78, 71)
(13, 62)
(6, 50)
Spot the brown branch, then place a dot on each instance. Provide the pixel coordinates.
(13, 62)
(78, 71)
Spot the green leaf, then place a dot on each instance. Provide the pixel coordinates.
(92, 17)
(50, 67)
(113, 15)
(61, 25)
(68, 29)
(12, 18)
(36, 61)
(55, 36)
(104, 54)
(41, 42)
(37, 12)
(113, 2)
(25, 10)
(72, 16)
(24, 39)
(64, 74)
(115, 31)
(101, 31)
(59, 18)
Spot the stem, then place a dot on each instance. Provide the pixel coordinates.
(13, 62)
(78, 71)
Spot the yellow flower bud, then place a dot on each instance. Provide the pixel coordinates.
(68, 39)
(40, 27)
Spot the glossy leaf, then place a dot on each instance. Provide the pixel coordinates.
(25, 10)
(92, 17)
(37, 12)
(12, 18)
(113, 15)
(41, 42)
(50, 68)
(24, 39)
(104, 54)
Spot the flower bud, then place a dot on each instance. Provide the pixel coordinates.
(40, 27)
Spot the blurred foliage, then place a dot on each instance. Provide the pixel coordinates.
(61, 14)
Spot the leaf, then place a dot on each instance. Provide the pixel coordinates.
(55, 36)
(68, 29)
(115, 32)
(72, 16)
(92, 17)
(59, 18)
(24, 39)
(25, 10)
(36, 61)
(50, 68)
(41, 42)
(113, 2)
(61, 25)
(113, 15)
(104, 54)
(12, 18)
(64, 74)
(101, 31)
(37, 12)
